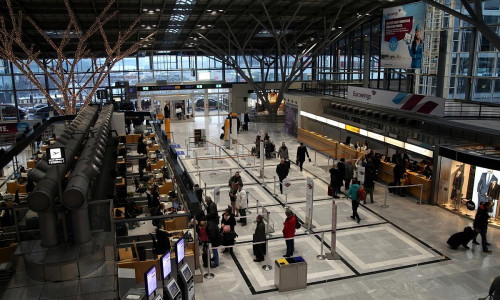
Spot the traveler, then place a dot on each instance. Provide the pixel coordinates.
(215, 238)
(370, 177)
(283, 151)
(301, 155)
(289, 232)
(227, 224)
(335, 181)
(341, 168)
(282, 170)
(352, 193)
(481, 225)
(212, 214)
(259, 250)
(233, 183)
(348, 175)
(241, 197)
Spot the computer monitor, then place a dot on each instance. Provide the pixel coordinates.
(175, 205)
(150, 281)
(179, 250)
(173, 289)
(186, 272)
(166, 266)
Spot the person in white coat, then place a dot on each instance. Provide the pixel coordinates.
(241, 202)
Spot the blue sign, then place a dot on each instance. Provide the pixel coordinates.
(393, 44)
(180, 152)
(22, 126)
(176, 146)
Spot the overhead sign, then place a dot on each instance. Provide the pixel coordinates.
(287, 184)
(352, 128)
(55, 156)
(183, 87)
(427, 105)
(402, 36)
(8, 128)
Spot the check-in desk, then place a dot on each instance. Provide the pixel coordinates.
(320, 143)
(132, 138)
(386, 175)
(13, 185)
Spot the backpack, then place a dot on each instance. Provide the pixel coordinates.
(361, 194)
(297, 222)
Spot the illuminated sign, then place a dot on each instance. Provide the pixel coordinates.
(351, 128)
(55, 156)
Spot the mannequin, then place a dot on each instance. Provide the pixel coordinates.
(484, 184)
(456, 192)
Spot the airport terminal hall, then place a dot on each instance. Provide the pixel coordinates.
(249, 149)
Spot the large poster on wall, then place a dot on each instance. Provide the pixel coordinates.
(486, 186)
(291, 114)
(427, 105)
(402, 36)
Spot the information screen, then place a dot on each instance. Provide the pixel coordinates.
(150, 281)
(173, 288)
(180, 250)
(166, 266)
(186, 272)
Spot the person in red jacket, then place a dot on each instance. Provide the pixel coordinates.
(289, 232)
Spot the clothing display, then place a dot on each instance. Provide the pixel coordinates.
(457, 185)
(484, 184)
(493, 190)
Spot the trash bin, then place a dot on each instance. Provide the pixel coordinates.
(290, 273)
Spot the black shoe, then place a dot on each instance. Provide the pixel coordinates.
(336, 197)
(359, 220)
(352, 217)
(475, 243)
(285, 255)
(244, 224)
(225, 250)
(487, 251)
(258, 260)
(466, 247)
(213, 266)
(373, 202)
(488, 244)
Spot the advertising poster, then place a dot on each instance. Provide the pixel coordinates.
(485, 183)
(403, 36)
(427, 105)
(291, 113)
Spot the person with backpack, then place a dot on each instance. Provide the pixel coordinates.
(352, 193)
(289, 232)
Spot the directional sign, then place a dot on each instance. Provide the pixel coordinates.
(55, 156)
(287, 184)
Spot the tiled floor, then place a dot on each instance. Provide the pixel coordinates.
(399, 252)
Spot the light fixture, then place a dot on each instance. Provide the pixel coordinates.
(151, 11)
(158, 10)
(143, 25)
(154, 25)
(144, 9)
(209, 26)
(221, 10)
(209, 10)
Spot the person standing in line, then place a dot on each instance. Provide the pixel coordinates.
(228, 222)
(289, 232)
(341, 168)
(212, 214)
(283, 151)
(215, 238)
(282, 171)
(348, 175)
(259, 250)
(370, 176)
(241, 197)
(481, 225)
(353, 194)
(334, 181)
(234, 181)
(398, 173)
(301, 155)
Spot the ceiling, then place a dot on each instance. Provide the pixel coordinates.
(176, 24)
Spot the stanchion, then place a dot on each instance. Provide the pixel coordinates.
(209, 275)
(421, 191)
(205, 190)
(286, 201)
(248, 206)
(196, 158)
(213, 170)
(322, 256)
(385, 200)
(315, 152)
(199, 178)
(266, 266)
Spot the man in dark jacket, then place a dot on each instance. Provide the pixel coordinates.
(282, 171)
(162, 238)
(301, 155)
(289, 232)
(215, 238)
(481, 225)
(398, 171)
(212, 214)
(370, 176)
(166, 111)
(341, 168)
(259, 236)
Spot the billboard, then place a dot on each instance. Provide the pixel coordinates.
(427, 105)
(403, 36)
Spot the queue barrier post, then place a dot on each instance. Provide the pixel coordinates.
(421, 192)
(209, 275)
(274, 186)
(322, 256)
(315, 152)
(267, 266)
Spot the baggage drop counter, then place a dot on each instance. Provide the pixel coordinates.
(290, 274)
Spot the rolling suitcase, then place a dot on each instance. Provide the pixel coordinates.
(330, 190)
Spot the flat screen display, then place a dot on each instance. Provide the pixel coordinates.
(186, 272)
(179, 250)
(166, 266)
(150, 281)
(173, 288)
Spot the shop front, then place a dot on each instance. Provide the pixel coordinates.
(468, 175)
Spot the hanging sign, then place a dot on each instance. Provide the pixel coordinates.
(287, 184)
(55, 156)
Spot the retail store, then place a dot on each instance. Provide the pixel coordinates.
(468, 175)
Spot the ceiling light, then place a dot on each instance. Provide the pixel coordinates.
(148, 27)
(209, 10)
(143, 25)
(209, 25)
(339, 27)
(141, 38)
(154, 25)
(144, 9)
(221, 10)
(199, 25)
(158, 10)
(151, 11)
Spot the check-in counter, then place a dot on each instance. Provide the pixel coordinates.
(316, 141)
(386, 175)
(13, 185)
(132, 138)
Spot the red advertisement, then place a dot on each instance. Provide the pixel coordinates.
(8, 128)
(398, 28)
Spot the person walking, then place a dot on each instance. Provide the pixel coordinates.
(494, 291)
(212, 214)
(348, 175)
(289, 232)
(481, 225)
(241, 200)
(233, 183)
(283, 151)
(166, 111)
(259, 250)
(370, 176)
(398, 173)
(334, 181)
(352, 193)
(301, 155)
(282, 170)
